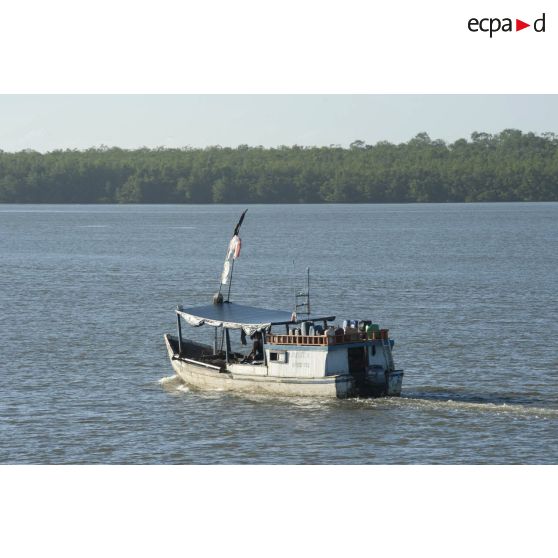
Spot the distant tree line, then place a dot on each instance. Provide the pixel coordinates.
(509, 166)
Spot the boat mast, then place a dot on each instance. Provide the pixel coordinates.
(230, 282)
(233, 250)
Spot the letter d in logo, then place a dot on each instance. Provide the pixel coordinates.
(539, 24)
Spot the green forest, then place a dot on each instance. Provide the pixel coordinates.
(509, 166)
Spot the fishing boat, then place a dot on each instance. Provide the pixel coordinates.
(293, 352)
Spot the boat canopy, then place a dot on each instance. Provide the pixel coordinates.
(236, 316)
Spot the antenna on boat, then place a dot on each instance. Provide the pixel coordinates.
(233, 252)
(302, 298)
(295, 293)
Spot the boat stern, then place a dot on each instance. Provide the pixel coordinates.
(380, 382)
(394, 382)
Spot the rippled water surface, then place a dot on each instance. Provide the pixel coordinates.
(468, 291)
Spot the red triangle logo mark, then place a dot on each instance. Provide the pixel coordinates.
(519, 25)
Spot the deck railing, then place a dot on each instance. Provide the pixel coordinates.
(357, 337)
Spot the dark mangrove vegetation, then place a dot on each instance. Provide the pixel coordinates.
(510, 166)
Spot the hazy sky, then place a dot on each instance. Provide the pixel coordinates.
(47, 122)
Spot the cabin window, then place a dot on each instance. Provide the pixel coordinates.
(278, 356)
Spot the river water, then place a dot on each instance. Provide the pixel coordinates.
(468, 292)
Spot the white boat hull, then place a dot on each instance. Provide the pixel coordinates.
(199, 376)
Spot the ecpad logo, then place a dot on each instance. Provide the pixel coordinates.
(493, 25)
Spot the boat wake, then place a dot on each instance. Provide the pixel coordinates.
(516, 404)
(432, 399)
(182, 387)
(171, 382)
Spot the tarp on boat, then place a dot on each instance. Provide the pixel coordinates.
(236, 316)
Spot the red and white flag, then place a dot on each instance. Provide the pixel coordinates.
(233, 252)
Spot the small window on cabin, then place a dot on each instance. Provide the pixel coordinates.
(278, 356)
